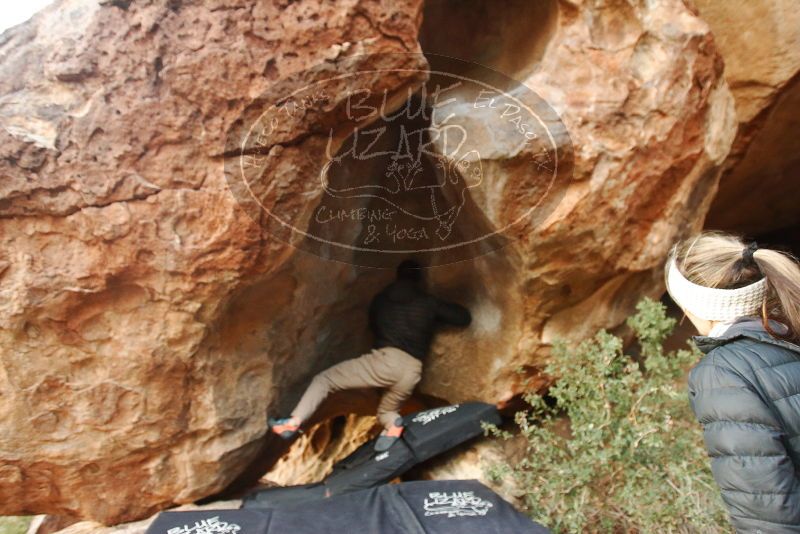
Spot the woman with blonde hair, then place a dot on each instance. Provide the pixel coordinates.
(745, 302)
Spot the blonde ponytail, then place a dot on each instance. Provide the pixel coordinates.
(724, 261)
(783, 300)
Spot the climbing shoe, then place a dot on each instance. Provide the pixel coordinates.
(389, 436)
(286, 428)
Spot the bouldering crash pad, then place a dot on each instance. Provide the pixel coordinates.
(432, 432)
(419, 507)
(427, 433)
(275, 497)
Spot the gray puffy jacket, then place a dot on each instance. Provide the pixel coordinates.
(746, 394)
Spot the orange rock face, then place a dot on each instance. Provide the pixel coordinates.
(148, 322)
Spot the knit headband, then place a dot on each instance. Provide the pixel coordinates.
(711, 303)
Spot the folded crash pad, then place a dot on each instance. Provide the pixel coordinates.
(432, 432)
(420, 507)
(274, 497)
(365, 468)
(427, 433)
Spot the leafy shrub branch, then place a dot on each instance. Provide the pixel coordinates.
(616, 448)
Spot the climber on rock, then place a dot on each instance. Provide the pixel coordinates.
(403, 318)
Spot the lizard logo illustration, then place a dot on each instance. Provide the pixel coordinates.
(379, 156)
(456, 504)
(416, 179)
(212, 525)
(434, 414)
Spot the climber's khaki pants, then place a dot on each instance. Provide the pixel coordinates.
(387, 367)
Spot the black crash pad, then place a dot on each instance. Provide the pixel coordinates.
(365, 468)
(434, 431)
(420, 507)
(427, 433)
(274, 497)
(210, 522)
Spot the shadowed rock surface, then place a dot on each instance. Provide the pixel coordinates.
(760, 41)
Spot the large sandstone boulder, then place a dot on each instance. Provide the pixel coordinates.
(143, 315)
(148, 320)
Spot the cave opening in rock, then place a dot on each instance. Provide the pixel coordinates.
(759, 191)
(335, 296)
(402, 155)
(331, 298)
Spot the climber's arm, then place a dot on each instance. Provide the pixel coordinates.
(452, 313)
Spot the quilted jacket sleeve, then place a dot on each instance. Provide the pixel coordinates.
(744, 438)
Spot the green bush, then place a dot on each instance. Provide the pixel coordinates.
(14, 524)
(619, 449)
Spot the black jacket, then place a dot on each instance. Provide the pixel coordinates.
(404, 316)
(746, 394)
